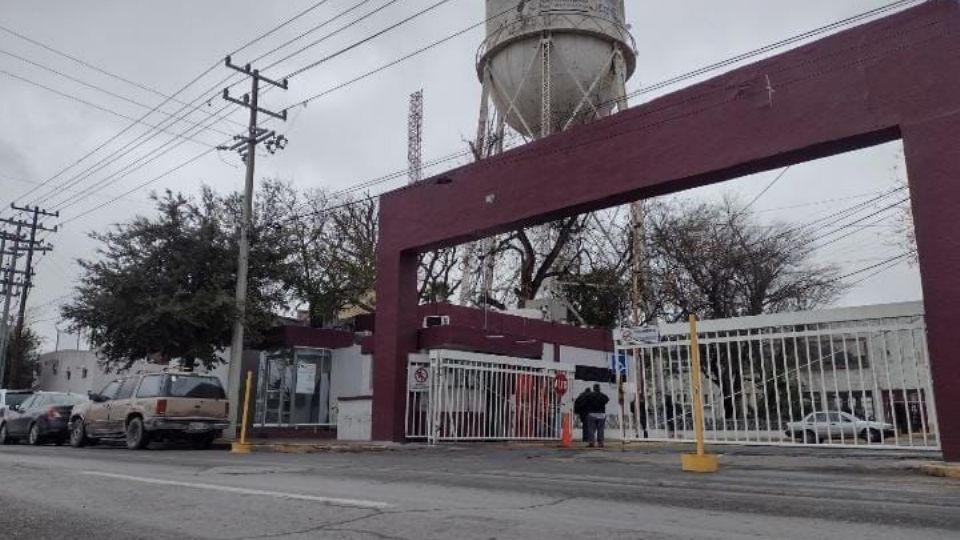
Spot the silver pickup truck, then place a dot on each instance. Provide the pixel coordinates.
(825, 426)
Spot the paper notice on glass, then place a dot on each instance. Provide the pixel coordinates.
(306, 377)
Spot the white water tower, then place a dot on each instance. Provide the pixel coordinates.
(548, 65)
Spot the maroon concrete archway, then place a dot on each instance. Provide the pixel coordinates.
(898, 77)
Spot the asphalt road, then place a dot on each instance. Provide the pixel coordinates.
(467, 493)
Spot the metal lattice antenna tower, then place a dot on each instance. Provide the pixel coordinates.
(415, 138)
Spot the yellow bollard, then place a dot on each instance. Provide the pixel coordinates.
(243, 447)
(700, 462)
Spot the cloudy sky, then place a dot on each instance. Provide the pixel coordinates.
(353, 134)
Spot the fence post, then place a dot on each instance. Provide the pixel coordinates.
(700, 461)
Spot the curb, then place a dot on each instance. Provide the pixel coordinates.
(944, 470)
(321, 448)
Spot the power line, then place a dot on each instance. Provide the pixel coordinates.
(89, 65)
(112, 138)
(91, 104)
(107, 161)
(522, 156)
(181, 90)
(772, 47)
(820, 202)
(399, 60)
(144, 160)
(310, 31)
(766, 189)
(369, 38)
(144, 184)
(76, 179)
(903, 255)
(101, 89)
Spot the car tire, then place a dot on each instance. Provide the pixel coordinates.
(137, 436)
(78, 434)
(4, 436)
(871, 435)
(810, 437)
(33, 436)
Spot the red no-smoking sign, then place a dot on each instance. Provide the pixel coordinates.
(560, 383)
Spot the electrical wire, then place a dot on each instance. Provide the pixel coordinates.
(860, 17)
(98, 88)
(766, 189)
(369, 38)
(113, 157)
(93, 105)
(89, 65)
(311, 30)
(526, 155)
(171, 97)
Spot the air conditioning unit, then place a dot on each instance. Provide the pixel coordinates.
(436, 320)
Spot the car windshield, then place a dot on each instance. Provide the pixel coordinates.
(18, 398)
(194, 386)
(64, 399)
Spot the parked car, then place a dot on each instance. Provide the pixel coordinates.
(139, 409)
(40, 418)
(12, 397)
(824, 426)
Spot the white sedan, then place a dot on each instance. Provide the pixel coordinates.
(824, 426)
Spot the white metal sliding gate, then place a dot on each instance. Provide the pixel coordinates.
(457, 396)
(826, 378)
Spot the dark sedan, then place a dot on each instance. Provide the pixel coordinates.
(43, 417)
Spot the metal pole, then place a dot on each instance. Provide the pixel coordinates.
(242, 447)
(701, 461)
(243, 260)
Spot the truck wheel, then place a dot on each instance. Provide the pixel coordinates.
(78, 434)
(137, 436)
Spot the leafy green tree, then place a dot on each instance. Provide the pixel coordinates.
(163, 287)
(23, 353)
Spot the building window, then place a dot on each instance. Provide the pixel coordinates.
(83, 373)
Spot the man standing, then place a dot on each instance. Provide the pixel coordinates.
(597, 417)
(580, 409)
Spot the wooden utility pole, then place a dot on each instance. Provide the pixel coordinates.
(246, 145)
(33, 246)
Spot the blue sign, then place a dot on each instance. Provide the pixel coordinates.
(618, 363)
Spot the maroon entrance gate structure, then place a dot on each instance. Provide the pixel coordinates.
(897, 77)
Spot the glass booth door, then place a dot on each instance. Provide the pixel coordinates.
(294, 388)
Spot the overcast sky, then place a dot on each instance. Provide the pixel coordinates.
(359, 132)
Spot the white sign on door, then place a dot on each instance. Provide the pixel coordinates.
(418, 379)
(306, 377)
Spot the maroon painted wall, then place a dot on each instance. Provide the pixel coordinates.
(852, 90)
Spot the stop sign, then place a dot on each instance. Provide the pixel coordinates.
(560, 383)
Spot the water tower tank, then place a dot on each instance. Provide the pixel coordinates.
(590, 56)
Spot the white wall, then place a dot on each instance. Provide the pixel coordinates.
(54, 367)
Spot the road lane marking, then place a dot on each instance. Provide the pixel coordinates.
(355, 503)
